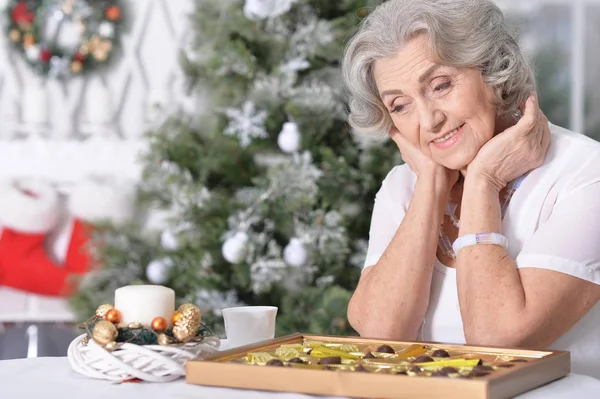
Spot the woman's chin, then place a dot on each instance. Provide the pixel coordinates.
(459, 162)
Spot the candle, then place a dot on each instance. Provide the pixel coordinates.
(142, 303)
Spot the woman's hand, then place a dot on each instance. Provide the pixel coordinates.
(422, 165)
(516, 151)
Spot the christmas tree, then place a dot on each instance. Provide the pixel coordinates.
(268, 193)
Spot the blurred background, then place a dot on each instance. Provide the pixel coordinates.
(62, 126)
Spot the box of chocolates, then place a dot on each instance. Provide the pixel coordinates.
(370, 368)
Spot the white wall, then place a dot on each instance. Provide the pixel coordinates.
(68, 148)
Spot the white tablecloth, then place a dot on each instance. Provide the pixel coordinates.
(52, 378)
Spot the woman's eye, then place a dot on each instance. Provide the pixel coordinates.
(397, 108)
(443, 86)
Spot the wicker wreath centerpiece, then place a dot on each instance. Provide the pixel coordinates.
(136, 352)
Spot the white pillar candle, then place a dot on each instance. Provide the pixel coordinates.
(142, 303)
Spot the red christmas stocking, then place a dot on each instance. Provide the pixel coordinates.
(28, 211)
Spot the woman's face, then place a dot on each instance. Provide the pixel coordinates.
(447, 113)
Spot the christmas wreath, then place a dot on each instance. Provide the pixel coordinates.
(62, 38)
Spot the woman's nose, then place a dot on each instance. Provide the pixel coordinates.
(430, 117)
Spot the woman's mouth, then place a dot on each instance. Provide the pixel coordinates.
(449, 139)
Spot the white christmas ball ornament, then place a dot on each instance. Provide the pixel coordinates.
(168, 240)
(33, 52)
(295, 253)
(234, 248)
(289, 138)
(255, 10)
(157, 271)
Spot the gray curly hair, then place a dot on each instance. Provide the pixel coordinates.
(462, 33)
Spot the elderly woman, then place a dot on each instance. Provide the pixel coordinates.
(490, 232)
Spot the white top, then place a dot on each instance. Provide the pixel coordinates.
(552, 222)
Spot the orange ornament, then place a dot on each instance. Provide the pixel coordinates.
(113, 315)
(159, 324)
(113, 13)
(28, 40)
(176, 317)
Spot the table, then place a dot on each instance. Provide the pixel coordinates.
(52, 378)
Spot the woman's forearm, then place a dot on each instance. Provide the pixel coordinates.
(392, 299)
(490, 292)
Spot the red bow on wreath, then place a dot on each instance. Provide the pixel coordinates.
(21, 14)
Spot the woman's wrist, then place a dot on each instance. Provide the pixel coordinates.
(480, 206)
(481, 182)
(439, 178)
(433, 184)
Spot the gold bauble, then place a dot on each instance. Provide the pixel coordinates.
(14, 35)
(94, 41)
(76, 66)
(163, 340)
(186, 325)
(184, 333)
(190, 312)
(104, 332)
(111, 346)
(105, 45)
(134, 325)
(100, 55)
(102, 309)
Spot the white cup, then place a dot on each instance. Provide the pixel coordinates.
(249, 324)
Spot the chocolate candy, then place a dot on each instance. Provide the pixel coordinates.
(506, 365)
(423, 359)
(331, 360)
(475, 373)
(449, 370)
(484, 369)
(443, 372)
(519, 361)
(275, 362)
(360, 368)
(440, 353)
(402, 373)
(415, 369)
(386, 349)
(369, 355)
(296, 360)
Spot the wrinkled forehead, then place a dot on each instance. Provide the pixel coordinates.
(410, 65)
